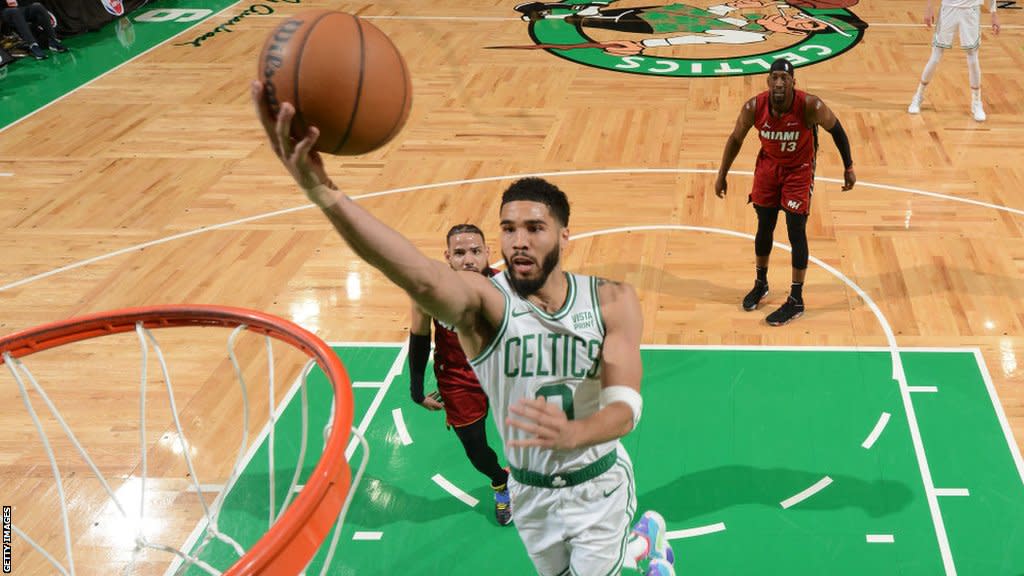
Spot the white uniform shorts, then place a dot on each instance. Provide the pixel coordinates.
(951, 18)
(577, 530)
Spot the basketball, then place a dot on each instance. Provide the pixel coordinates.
(342, 75)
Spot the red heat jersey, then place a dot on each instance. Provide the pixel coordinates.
(450, 364)
(786, 140)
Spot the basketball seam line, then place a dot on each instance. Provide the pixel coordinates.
(298, 70)
(359, 86)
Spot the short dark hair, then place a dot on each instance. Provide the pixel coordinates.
(464, 229)
(539, 190)
(782, 65)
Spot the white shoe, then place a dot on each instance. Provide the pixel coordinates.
(978, 111)
(915, 104)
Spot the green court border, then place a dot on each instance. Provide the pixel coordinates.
(398, 366)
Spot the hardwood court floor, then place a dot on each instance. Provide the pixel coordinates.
(168, 145)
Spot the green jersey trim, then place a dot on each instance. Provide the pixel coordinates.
(570, 299)
(597, 304)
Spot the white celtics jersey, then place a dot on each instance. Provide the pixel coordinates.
(556, 356)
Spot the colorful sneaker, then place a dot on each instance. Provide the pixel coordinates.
(651, 527)
(791, 310)
(659, 567)
(754, 297)
(502, 505)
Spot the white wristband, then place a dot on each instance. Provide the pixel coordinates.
(629, 396)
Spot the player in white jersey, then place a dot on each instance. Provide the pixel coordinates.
(533, 335)
(963, 16)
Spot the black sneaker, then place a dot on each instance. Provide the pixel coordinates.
(37, 52)
(754, 297)
(57, 46)
(791, 310)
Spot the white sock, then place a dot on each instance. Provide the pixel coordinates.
(637, 548)
(976, 94)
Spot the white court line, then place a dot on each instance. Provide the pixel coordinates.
(692, 532)
(454, 490)
(367, 384)
(807, 493)
(880, 538)
(403, 432)
(6, 174)
(952, 492)
(367, 344)
(1000, 414)
(205, 488)
(396, 369)
(194, 232)
(770, 348)
(876, 431)
(930, 389)
(367, 535)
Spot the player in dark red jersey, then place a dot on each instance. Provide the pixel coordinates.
(460, 394)
(787, 121)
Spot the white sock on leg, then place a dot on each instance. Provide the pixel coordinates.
(637, 548)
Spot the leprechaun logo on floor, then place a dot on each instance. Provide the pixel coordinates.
(698, 38)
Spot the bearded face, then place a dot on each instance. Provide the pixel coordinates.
(526, 274)
(531, 243)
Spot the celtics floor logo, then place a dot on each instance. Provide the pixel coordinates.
(700, 38)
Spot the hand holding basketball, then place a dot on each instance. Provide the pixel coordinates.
(298, 156)
(341, 75)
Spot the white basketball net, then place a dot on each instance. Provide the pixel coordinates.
(182, 559)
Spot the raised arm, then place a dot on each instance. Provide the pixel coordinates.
(733, 145)
(817, 113)
(621, 371)
(458, 298)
